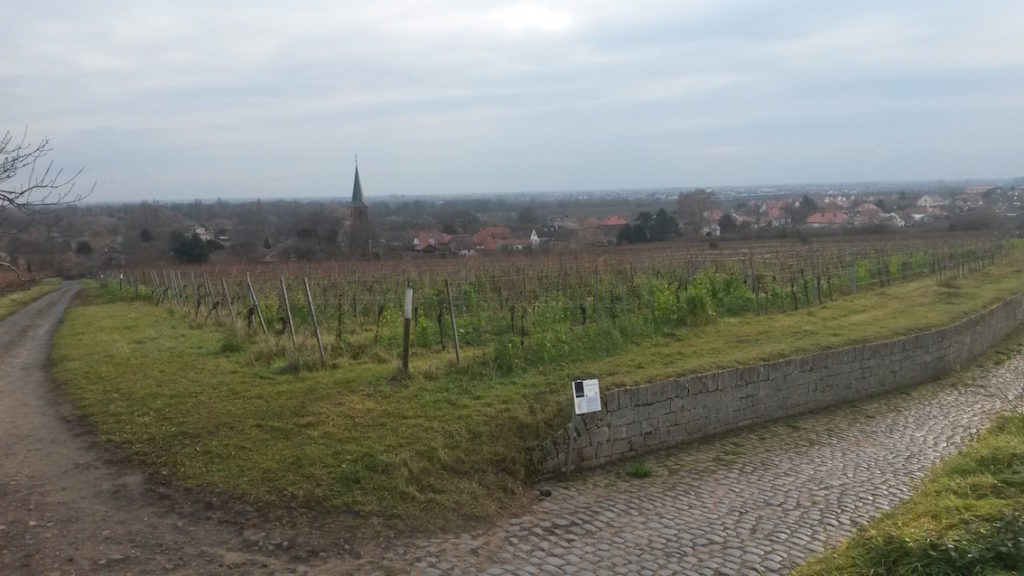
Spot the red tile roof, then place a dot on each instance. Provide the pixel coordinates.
(826, 218)
(613, 221)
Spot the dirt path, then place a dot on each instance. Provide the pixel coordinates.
(67, 508)
(758, 501)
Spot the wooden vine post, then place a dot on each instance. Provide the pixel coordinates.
(181, 290)
(209, 295)
(195, 291)
(288, 311)
(316, 326)
(227, 297)
(451, 314)
(255, 303)
(406, 330)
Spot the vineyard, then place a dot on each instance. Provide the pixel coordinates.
(502, 314)
(185, 380)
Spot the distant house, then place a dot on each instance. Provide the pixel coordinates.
(968, 200)
(773, 214)
(203, 232)
(868, 210)
(893, 220)
(564, 238)
(613, 221)
(837, 200)
(713, 215)
(565, 223)
(516, 244)
(430, 241)
(461, 245)
(930, 201)
(830, 219)
(712, 230)
(491, 238)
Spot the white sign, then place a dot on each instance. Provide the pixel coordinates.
(586, 396)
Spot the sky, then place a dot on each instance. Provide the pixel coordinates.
(241, 99)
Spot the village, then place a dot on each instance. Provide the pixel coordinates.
(973, 207)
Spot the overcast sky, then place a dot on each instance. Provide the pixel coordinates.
(178, 100)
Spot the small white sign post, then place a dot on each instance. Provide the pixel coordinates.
(586, 398)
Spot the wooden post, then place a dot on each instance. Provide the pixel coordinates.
(255, 303)
(406, 330)
(209, 295)
(156, 285)
(316, 327)
(181, 290)
(174, 288)
(169, 286)
(291, 324)
(227, 296)
(451, 314)
(195, 290)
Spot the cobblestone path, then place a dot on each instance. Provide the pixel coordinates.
(755, 502)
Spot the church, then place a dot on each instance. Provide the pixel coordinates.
(359, 231)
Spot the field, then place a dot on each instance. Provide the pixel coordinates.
(15, 294)
(215, 403)
(519, 312)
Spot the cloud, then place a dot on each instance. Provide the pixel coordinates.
(259, 97)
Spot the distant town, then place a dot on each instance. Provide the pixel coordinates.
(84, 238)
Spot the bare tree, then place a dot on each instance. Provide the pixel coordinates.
(27, 185)
(42, 186)
(691, 208)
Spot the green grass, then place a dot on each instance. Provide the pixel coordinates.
(639, 470)
(206, 410)
(14, 301)
(966, 518)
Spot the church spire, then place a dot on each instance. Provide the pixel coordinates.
(357, 188)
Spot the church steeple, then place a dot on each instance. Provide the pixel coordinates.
(357, 188)
(358, 219)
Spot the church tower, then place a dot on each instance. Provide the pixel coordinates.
(358, 220)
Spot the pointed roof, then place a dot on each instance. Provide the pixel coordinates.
(357, 191)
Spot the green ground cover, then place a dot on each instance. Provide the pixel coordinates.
(203, 406)
(11, 302)
(966, 518)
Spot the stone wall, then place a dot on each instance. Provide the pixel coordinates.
(642, 418)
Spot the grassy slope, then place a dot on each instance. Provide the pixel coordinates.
(11, 303)
(966, 518)
(440, 447)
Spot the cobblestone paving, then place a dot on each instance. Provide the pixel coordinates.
(756, 502)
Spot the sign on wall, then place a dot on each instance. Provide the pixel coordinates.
(586, 395)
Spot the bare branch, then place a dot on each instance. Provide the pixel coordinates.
(38, 191)
(16, 271)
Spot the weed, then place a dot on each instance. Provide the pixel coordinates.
(233, 343)
(639, 470)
